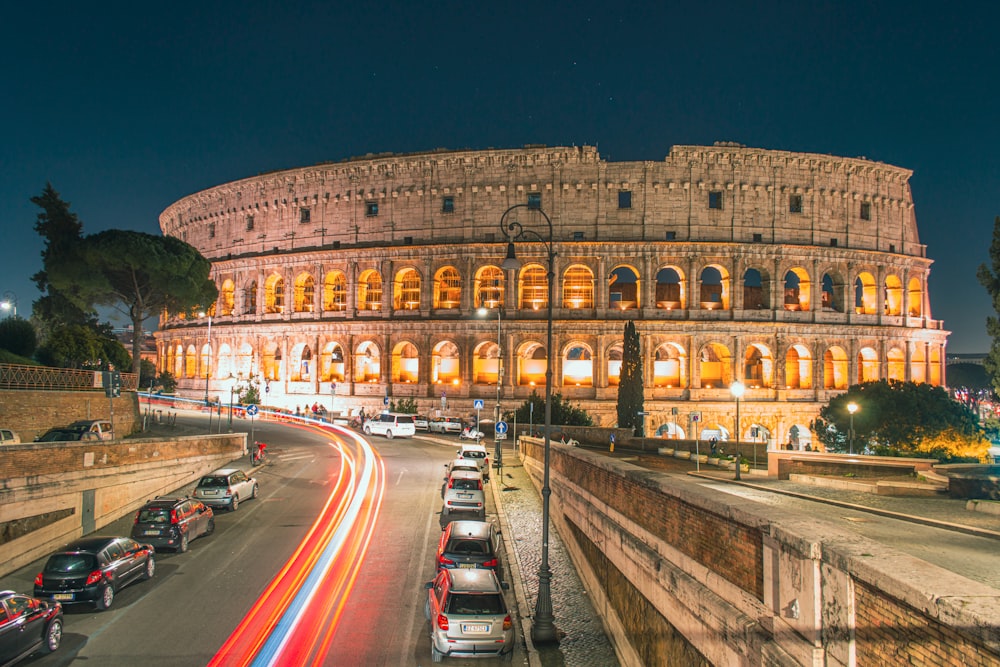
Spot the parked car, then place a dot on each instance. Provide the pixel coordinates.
(167, 522)
(65, 434)
(94, 569)
(28, 625)
(468, 615)
(445, 425)
(463, 496)
(477, 451)
(102, 427)
(8, 437)
(390, 425)
(420, 423)
(226, 488)
(461, 464)
(470, 544)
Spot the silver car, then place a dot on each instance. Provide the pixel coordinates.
(463, 497)
(468, 615)
(226, 487)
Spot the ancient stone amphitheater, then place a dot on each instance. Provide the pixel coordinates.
(381, 277)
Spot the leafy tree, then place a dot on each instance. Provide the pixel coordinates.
(169, 384)
(630, 387)
(62, 232)
(989, 277)
(902, 419)
(562, 412)
(18, 336)
(137, 274)
(147, 374)
(250, 395)
(72, 346)
(407, 406)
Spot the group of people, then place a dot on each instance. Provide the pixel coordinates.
(317, 411)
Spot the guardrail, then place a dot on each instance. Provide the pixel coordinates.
(18, 376)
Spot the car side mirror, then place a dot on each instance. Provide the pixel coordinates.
(428, 585)
(504, 585)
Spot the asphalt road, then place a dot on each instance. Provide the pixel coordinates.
(185, 613)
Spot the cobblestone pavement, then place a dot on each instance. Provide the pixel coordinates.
(583, 641)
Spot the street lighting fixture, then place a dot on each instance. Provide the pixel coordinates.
(498, 451)
(208, 367)
(9, 303)
(852, 408)
(543, 629)
(737, 389)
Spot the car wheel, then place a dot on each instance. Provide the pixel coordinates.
(235, 504)
(427, 609)
(436, 655)
(368, 430)
(150, 567)
(388, 435)
(107, 597)
(53, 635)
(183, 546)
(210, 528)
(508, 656)
(253, 494)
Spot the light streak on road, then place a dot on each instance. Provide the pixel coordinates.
(294, 620)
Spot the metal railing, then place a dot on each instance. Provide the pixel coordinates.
(46, 378)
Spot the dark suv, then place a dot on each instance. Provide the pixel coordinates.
(470, 544)
(173, 522)
(93, 569)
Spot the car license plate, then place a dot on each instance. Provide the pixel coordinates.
(470, 566)
(475, 628)
(464, 495)
(151, 532)
(62, 596)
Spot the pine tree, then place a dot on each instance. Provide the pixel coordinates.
(630, 386)
(989, 277)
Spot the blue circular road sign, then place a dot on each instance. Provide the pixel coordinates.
(501, 427)
(252, 410)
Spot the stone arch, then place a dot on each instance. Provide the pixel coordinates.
(895, 364)
(530, 364)
(615, 354)
(671, 288)
(367, 362)
(578, 287)
(335, 292)
(798, 289)
(865, 294)
(244, 361)
(671, 430)
(758, 366)
(867, 365)
(370, 290)
(623, 288)
(577, 365)
(205, 361)
(937, 371)
(486, 363)
(406, 289)
(799, 437)
(798, 367)
(271, 361)
(333, 363)
(250, 298)
(832, 296)
(300, 363)
(715, 280)
(715, 367)
(915, 298)
(533, 287)
(227, 297)
(274, 293)
(918, 362)
(446, 363)
(893, 296)
(304, 293)
(670, 366)
(405, 363)
(447, 288)
(835, 371)
(756, 293)
(225, 365)
(489, 287)
(190, 362)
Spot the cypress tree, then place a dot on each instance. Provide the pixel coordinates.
(630, 386)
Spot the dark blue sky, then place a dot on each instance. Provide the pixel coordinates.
(126, 107)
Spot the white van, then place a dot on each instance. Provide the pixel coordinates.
(391, 425)
(8, 437)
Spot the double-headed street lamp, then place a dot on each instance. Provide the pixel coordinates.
(498, 452)
(736, 389)
(852, 408)
(208, 366)
(543, 629)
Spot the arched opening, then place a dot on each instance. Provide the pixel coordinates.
(623, 289)
(714, 288)
(867, 365)
(670, 366)
(370, 290)
(578, 287)
(304, 294)
(334, 364)
(406, 290)
(758, 366)
(615, 355)
(798, 368)
(250, 298)
(274, 294)
(534, 287)
(445, 366)
(300, 366)
(486, 363)
(447, 288)
(367, 362)
(754, 294)
(531, 365)
(489, 287)
(227, 297)
(225, 367)
(918, 362)
(915, 298)
(715, 366)
(244, 362)
(832, 294)
(895, 364)
(577, 366)
(893, 296)
(835, 374)
(670, 292)
(271, 362)
(865, 294)
(335, 292)
(797, 289)
(405, 363)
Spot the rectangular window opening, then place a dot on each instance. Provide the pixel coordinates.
(671, 236)
(795, 203)
(534, 200)
(715, 199)
(249, 223)
(758, 238)
(833, 243)
(211, 230)
(624, 199)
(371, 209)
(866, 210)
(448, 205)
(577, 236)
(305, 215)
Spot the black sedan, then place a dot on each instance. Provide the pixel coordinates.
(94, 569)
(28, 625)
(66, 434)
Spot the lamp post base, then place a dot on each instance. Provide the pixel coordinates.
(543, 629)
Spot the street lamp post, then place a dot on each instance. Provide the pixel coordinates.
(852, 408)
(543, 630)
(208, 367)
(736, 389)
(9, 303)
(498, 451)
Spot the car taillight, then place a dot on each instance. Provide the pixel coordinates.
(507, 625)
(443, 621)
(39, 579)
(445, 561)
(491, 563)
(93, 577)
(173, 516)
(480, 485)
(479, 504)
(451, 483)
(229, 491)
(136, 518)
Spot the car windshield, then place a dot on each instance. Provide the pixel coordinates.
(71, 563)
(214, 481)
(55, 436)
(474, 455)
(475, 603)
(465, 484)
(154, 515)
(466, 546)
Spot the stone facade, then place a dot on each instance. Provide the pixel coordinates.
(344, 283)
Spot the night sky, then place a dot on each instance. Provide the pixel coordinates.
(127, 107)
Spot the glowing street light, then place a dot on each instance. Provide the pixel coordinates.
(852, 408)
(737, 389)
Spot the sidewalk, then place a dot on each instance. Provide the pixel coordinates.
(519, 508)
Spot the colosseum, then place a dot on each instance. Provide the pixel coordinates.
(352, 284)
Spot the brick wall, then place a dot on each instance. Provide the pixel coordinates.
(31, 413)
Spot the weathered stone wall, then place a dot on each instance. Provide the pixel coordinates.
(30, 413)
(738, 584)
